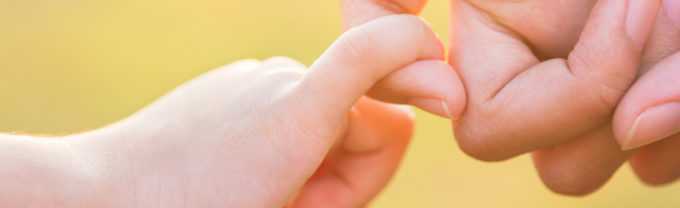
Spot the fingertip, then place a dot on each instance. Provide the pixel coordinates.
(655, 164)
(651, 176)
(407, 111)
(447, 108)
(650, 110)
(457, 99)
(563, 175)
(431, 85)
(432, 105)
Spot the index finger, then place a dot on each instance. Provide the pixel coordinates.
(650, 111)
(517, 103)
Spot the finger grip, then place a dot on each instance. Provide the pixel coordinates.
(363, 56)
(650, 111)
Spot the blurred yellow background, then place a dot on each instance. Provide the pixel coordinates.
(72, 65)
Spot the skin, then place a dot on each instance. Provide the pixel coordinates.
(574, 87)
(345, 147)
(249, 134)
(581, 158)
(655, 163)
(588, 55)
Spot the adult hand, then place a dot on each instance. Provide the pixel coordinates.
(534, 84)
(649, 114)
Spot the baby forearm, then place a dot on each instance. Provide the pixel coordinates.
(43, 172)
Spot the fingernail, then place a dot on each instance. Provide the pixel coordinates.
(672, 9)
(446, 109)
(639, 20)
(436, 106)
(652, 125)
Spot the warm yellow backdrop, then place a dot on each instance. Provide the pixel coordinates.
(72, 65)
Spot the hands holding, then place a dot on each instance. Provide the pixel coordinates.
(560, 83)
(252, 134)
(548, 80)
(544, 79)
(648, 113)
(555, 95)
(549, 84)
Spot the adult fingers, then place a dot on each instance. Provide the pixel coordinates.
(582, 165)
(549, 28)
(364, 161)
(650, 111)
(517, 104)
(663, 41)
(658, 163)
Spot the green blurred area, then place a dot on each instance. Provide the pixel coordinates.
(72, 65)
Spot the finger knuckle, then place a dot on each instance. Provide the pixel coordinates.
(479, 143)
(360, 43)
(608, 82)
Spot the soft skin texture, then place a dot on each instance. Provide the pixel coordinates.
(422, 84)
(250, 134)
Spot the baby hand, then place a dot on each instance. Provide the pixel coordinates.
(266, 134)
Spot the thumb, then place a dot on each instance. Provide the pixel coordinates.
(650, 111)
(361, 57)
(431, 85)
